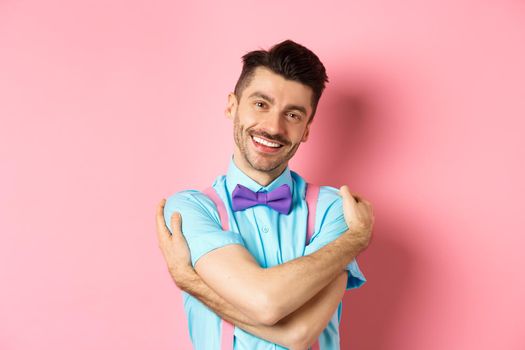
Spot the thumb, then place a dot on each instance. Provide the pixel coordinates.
(348, 198)
(349, 204)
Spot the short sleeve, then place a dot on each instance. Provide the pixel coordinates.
(201, 225)
(330, 224)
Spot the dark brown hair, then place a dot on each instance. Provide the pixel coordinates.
(290, 60)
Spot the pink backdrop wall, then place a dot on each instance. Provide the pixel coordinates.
(108, 106)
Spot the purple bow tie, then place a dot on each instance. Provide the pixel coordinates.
(279, 199)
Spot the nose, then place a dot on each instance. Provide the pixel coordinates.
(274, 124)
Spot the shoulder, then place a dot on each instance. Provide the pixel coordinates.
(197, 210)
(188, 198)
(329, 206)
(329, 194)
(326, 193)
(191, 203)
(329, 217)
(329, 197)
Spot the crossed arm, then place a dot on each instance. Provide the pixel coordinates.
(289, 304)
(304, 295)
(295, 331)
(268, 295)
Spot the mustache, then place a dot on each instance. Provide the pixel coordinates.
(277, 138)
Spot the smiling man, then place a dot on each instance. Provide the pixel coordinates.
(263, 257)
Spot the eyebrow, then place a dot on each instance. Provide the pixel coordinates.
(272, 100)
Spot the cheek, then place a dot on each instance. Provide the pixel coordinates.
(296, 136)
(247, 120)
(247, 113)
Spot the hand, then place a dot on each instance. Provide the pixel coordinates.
(358, 216)
(174, 247)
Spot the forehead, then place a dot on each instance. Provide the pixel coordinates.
(282, 90)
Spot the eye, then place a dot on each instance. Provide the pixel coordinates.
(259, 104)
(293, 115)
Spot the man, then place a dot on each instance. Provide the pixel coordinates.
(260, 274)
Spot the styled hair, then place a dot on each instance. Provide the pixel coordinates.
(290, 60)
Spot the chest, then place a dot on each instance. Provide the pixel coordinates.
(272, 238)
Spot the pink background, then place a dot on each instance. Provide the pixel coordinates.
(108, 106)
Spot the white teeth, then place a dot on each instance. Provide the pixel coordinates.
(266, 143)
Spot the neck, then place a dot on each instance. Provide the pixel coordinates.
(263, 178)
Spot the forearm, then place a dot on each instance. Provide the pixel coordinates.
(296, 331)
(278, 334)
(308, 274)
(191, 283)
(302, 328)
(265, 294)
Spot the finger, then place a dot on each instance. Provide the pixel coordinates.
(345, 193)
(365, 201)
(349, 203)
(359, 198)
(176, 220)
(162, 230)
(368, 205)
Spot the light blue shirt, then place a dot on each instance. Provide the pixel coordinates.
(271, 237)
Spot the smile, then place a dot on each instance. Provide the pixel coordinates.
(265, 146)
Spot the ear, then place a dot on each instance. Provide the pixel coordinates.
(231, 107)
(306, 133)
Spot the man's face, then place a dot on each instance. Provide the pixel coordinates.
(274, 111)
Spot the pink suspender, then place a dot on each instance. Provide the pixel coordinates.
(223, 214)
(227, 327)
(312, 194)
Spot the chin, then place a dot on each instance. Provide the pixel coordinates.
(261, 164)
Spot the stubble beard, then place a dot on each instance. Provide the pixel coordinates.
(258, 162)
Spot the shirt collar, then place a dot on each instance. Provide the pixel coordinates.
(236, 176)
